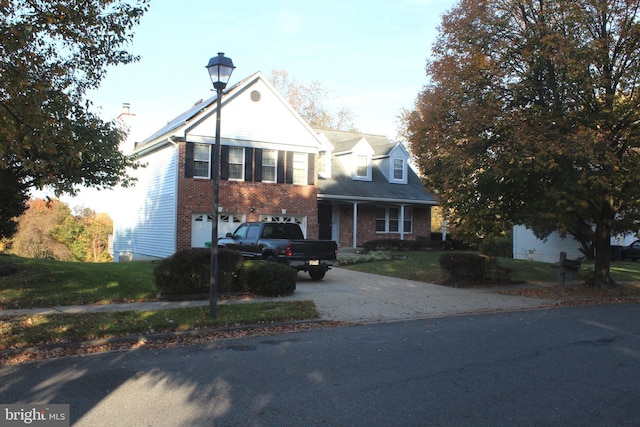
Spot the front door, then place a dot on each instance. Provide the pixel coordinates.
(325, 217)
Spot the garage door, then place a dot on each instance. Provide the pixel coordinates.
(201, 227)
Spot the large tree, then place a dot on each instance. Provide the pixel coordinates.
(51, 53)
(310, 101)
(532, 115)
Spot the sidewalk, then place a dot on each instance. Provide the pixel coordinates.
(350, 296)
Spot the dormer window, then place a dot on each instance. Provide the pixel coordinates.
(398, 170)
(362, 166)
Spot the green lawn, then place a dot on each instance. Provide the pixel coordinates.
(47, 283)
(424, 266)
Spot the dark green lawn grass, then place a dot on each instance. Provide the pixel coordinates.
(48, 283)
(424, 266)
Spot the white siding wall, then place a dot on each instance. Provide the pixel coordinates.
(527, 246)
(145, 223)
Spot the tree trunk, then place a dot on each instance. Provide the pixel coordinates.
(603, 247)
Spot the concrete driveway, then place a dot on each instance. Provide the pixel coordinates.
(351, 296)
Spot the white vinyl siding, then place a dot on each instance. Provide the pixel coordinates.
(145, 225)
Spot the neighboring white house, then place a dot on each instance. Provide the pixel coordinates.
(527, 246)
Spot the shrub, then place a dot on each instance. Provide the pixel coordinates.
(400, 245)
(466, 268)
(187, 272)
(501, 245)
(268, 278)
(369, 257)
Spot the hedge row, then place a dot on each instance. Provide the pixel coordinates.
(466, 268)
(187, 272)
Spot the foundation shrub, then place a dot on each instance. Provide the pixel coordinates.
(187, 272)
(464, 268)
(268, 278)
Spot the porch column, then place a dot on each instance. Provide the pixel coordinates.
(401, 225)
(355, 225)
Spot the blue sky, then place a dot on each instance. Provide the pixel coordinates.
(370, 54)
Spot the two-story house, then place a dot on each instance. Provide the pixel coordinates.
(274, 167)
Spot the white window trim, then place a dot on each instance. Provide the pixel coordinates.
(354, 172)
(393, 170)
(401, 220)
(241, 163)
(275, 167)
(305, 169)
(207, 160)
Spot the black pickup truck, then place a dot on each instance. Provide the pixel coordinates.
(284, 243)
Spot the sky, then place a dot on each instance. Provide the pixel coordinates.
(370, 55)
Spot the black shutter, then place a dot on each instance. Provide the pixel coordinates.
(188, 160)
(280, 167)
(248, 164)
(257, 172)
(289, 172)
(311, 169)
(224, 162)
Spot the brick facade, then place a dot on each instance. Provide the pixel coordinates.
(367, 225)
(240, 197)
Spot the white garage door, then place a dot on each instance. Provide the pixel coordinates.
(201, 227)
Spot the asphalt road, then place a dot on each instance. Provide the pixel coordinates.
(574, 366)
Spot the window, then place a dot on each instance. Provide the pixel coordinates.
(394, 220)
(408, 220)
(388, 220)
(300, 168)
(201, 158)
(398, 169)
(362, 166)
(269, 160)
(381, 220)
(236, 163)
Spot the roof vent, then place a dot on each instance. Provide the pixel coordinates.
(255, 96)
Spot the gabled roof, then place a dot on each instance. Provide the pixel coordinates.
(345, 141)
(340, 186)
(203, 112)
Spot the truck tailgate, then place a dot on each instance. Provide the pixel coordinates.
(313, 249)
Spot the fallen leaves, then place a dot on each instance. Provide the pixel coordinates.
(158, 341)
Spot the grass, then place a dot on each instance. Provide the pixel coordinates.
(48, 283)
(424, 266)
(24, 331)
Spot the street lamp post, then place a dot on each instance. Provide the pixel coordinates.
(220, 69)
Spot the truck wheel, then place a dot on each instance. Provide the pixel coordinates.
(271, 258)
(316, 274)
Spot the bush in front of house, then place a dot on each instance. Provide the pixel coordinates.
(498, 245)
(187, 272)
(268, 278)
(471, 268)
(400, 245)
